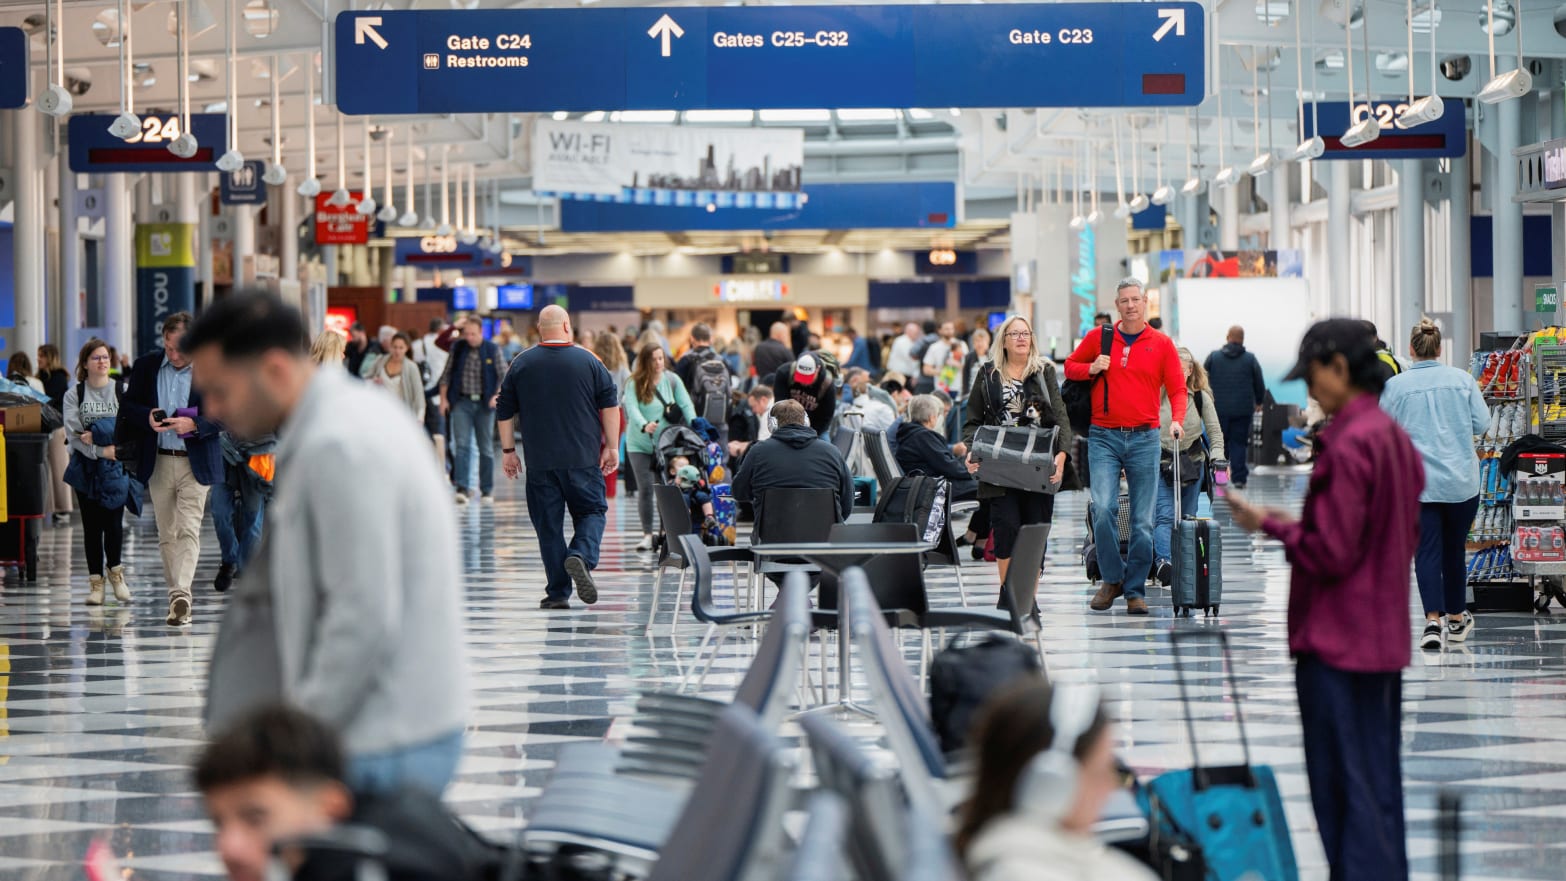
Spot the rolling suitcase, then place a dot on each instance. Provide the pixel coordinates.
(1228, 819)
(1196, 558)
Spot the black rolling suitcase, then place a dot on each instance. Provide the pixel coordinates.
(1196, 549)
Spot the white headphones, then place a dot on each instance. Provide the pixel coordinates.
(1049, 782)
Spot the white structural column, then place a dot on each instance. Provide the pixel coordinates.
(70, 262)
(1552, 103)
(1507, 226)
(288, 258)
(1339, 192)
(244, 228)
(54, 294)
(1229, 218)
(1282, 202)
(1410, 247)
(27, 233)
(1459, 247)
(119, 271)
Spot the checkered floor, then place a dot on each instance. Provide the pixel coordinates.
(99, 708)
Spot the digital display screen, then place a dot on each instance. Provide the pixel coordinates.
(514, 297)
(995, 320)
(464, 299)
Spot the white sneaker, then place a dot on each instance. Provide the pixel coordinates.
(1457, 631)
(489, 498)
(1431, 640)
(462, 497)
(95, 590)
(117, 581)
(179, 612)
(645, 544)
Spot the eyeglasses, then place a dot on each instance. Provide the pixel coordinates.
(1019, 335)
(104, 358)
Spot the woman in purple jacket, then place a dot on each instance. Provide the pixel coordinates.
(1348, 601)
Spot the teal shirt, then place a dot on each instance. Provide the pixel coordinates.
(639, 413)
(1441, 409)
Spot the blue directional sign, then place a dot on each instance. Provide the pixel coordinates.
(94, 150)
(751, 57)
(243, 186)
(1446, 137)
(13, 68)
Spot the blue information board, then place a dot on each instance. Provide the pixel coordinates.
(514, 297)
(752, 57)
(243, 186)
(94, 150)
(1446, 137)
(13, 68)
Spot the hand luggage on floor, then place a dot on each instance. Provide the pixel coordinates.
(1017, 458)
(1196, 558)
(1231, 816)
(726, 512)
(1090, 543)
(918, 499)
(963, 677)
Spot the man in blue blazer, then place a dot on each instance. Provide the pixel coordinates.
(179, 457)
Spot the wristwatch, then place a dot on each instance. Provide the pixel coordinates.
(506, 451)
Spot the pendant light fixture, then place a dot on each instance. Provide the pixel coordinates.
(367, 195)
(1367, 129)
(1194, 184)
(1095, 216)
(1313, 146)
(232, 159)
(127, 124)
(55, 99)
(1165, 193)
(1514, 83)
(1429, 108)
(388, 212)
(1139, 201)
(1264, 161)
(410, 217)
(185, 145)
(1227, 174)
(469, 233)
(445, 192)
(340, 196)
(429, 187)
(1122, 210)
(276, 174)
(310, 187)
(1077, 220)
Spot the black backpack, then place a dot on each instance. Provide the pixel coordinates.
(962, 679)
(918, 499)
(1078, 393)
(710, 389)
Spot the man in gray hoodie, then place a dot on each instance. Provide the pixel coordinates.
(351, 609)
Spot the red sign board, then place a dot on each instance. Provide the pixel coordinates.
(340, 224)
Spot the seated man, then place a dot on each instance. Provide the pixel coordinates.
(874, 404)
(748, 425)
(277, 777)
(794, 458)
(922, 449)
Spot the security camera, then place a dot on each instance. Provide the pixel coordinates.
(1426, 109)
(275, 174)
(1362, 132)
(54, 101)
(310, 187)
(231, 160)
(409, 218)
(126, 125)
(366, 207)
(388, 214)
(1310, 148)
(184, 146)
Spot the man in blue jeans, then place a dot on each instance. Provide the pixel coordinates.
(1127, 381)
(564, 403)
(238, 502)
(467, 392)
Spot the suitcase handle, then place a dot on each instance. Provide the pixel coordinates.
(1199, 776)
(1175, 488)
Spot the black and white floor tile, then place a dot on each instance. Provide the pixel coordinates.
(100, 708)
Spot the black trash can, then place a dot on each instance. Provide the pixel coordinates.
(26, 474)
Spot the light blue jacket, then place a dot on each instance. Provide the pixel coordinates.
(1442, 410)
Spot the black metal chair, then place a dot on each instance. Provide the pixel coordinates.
(791, 516)
(723, 622)
(676, 518)
(877, 848)
(881, 459)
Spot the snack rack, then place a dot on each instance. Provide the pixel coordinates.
(1539, 480)
(1505, 379)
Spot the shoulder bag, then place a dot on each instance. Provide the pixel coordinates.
(672, 414)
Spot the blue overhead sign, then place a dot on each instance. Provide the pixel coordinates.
(1447, 137)
(754, 57)
(244, 185)
(447, 252)
(94, 150)
(911, 205)
(13, 68)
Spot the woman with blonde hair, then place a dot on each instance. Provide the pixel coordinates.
(1017, 388)
(329, 348)
(1196, 450)
(608, 349)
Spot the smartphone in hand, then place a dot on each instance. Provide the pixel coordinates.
(160, 417)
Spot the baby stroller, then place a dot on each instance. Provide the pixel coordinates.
(675, 441)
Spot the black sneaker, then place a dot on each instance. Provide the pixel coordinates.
(552, 604)
(582, 579)
(1431, 640)
(1165, 573)
(978, 551)
(224, 579)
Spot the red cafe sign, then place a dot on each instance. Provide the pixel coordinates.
(340, 224)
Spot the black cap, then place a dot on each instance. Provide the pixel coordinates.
(1346, 336)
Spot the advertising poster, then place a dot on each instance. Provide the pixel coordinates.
(165, 278)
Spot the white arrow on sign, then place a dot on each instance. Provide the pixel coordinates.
(1174, 19)
(664, 28)
(365, 27)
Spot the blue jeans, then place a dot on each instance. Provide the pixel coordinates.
(473, 425)
(550, 494)
(1163, 527)
(1111, 451)
(1440, 566)
(237, 521)
(427, 766)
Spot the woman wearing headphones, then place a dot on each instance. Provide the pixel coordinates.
(1046, 770)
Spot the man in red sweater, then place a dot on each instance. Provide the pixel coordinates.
(1127, 382)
